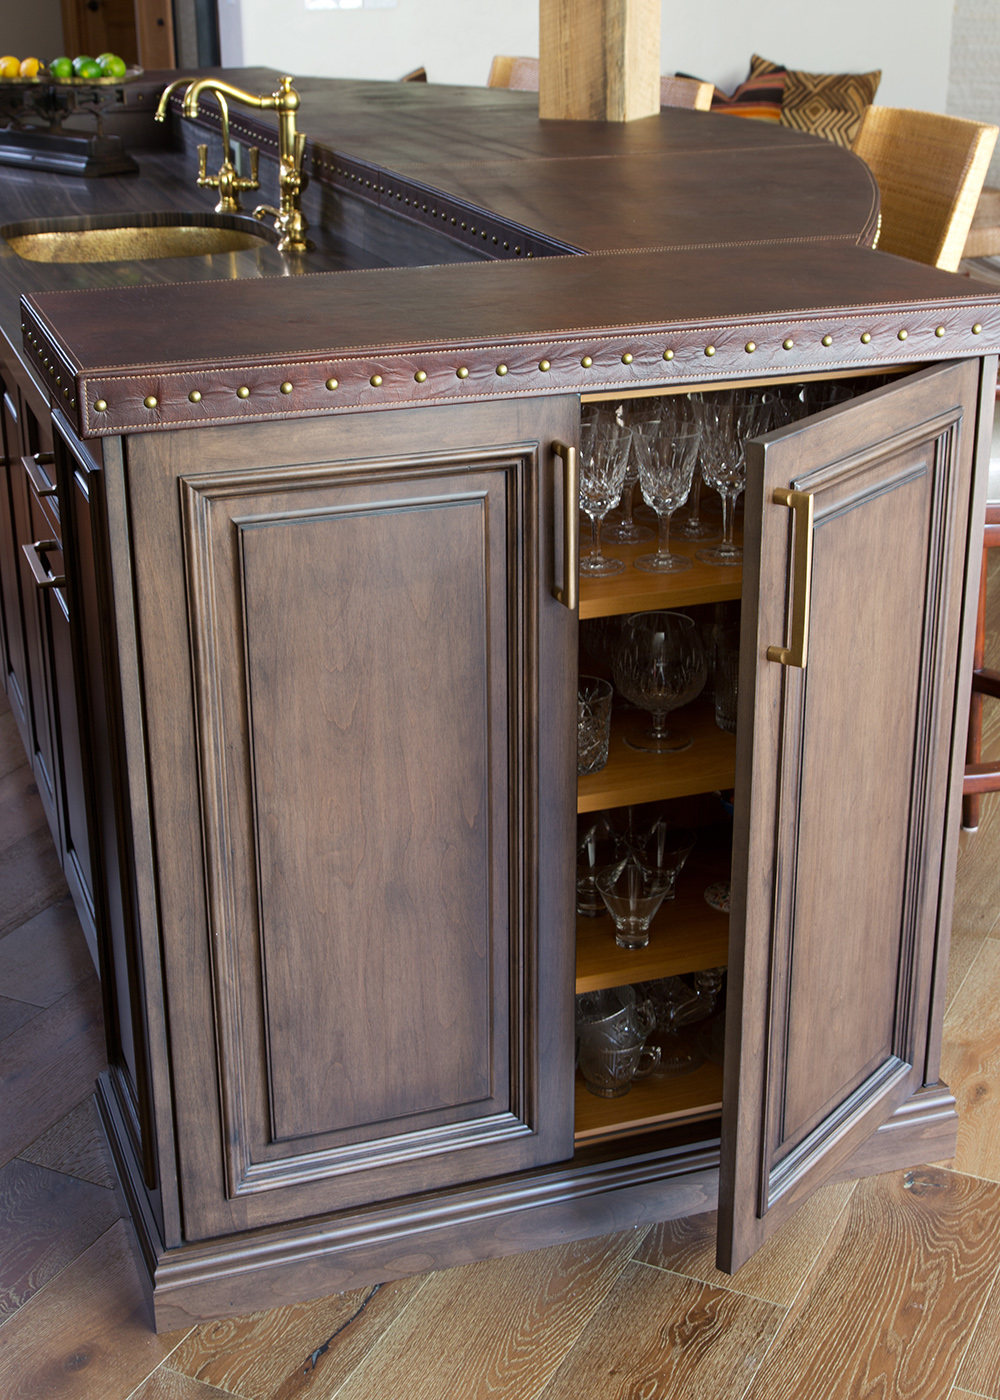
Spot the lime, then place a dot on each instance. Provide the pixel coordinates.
(61, 68)
(89, 70)
(111, 65)
(79, 61)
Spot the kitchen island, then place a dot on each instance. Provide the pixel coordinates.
(296, 656)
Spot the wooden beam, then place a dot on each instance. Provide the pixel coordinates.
(599, 60)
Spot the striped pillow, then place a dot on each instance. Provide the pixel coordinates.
(760, 96)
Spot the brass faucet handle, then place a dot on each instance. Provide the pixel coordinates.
(251, 181)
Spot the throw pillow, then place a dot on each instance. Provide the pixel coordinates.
(823, 104)
(760, 96)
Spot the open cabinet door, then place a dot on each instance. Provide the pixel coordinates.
(843, 777)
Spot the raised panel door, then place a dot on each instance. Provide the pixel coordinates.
(381, 704)
(844, 771)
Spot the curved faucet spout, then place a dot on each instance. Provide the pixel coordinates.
(290, 224)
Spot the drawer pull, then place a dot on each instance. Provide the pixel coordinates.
(801, 502)
(42, 577)
(39, 482)
(569, 593)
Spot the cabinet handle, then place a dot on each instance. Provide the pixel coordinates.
(42, 577)
(569, 593)
(801, 502)
(39, 482)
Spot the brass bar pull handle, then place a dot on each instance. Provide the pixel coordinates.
(41, 575)
(569, 593)
(39, 482)
(801, 502)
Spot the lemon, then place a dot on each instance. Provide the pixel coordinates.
(30, 67)
(10, 67)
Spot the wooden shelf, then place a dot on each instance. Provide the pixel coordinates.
(649, 1104)
(635, 591)
(630, 776)
(687, 935)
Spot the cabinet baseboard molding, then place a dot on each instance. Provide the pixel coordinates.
(595, 1194)
(924, 1129)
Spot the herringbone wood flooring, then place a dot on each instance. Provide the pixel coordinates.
(888, 1288)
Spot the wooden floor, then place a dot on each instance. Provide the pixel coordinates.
(887, 1288)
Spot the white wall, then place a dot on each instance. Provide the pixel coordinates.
(908, 40)
(974, 86)
(456, 39)
(32, 30)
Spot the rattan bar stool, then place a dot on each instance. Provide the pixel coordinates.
(930, 169)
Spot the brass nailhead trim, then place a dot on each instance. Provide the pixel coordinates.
(332, 384)
(901, 335)
(709, 350)
(866, 338)
(668, 354)
(101, 406)
(462, 372)
(375, 381)
(286, 388)
(977, 329)
(501, 370)
(420, 376)
(243, 392)
(586, 362)
(787, 344)
(939, 332)
(150, 401)
(750, 346)
(194, 396)
(544, 365)
(828, 340)
(627, 358)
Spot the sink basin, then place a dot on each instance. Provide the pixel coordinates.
(135, 237)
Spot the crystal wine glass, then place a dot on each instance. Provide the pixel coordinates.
(604, 451)
(691, 526)
(623, 529)
(726, 425)
(666, 469)
(660, 665)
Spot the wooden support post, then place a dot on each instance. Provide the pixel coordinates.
(599, 60)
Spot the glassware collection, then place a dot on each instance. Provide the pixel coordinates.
(670, 447)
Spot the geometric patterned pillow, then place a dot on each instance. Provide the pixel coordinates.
(828, 104)
(823, 104)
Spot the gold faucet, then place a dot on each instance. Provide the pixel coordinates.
(288, 219)
(227, 181)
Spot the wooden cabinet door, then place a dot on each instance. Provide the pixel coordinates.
(382, 686)
(844, 776)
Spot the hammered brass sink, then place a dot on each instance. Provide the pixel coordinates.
(134, 237)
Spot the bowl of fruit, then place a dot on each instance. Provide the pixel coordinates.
(83, 71)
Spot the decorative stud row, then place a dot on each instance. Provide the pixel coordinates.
(497, 238)
(462, 372)
(50, 365)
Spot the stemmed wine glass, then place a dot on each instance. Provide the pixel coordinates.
(727, 423)
(691, 526)
(660, 665)
(623, 529)
(604, 451)
(666, 468)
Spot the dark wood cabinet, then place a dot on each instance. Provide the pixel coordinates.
(346, 775)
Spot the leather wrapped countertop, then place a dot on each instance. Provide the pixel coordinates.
(709, 248)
